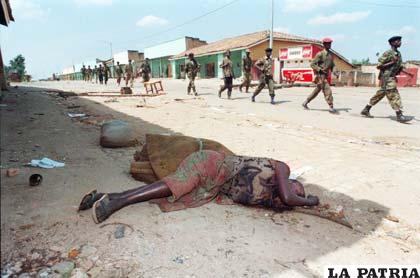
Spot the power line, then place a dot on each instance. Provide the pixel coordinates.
(386, 5)
(185, 23)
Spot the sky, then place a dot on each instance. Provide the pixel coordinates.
(54, 34)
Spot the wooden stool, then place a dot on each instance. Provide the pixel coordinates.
(153, 87)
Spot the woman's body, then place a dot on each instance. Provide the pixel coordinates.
(203, 176)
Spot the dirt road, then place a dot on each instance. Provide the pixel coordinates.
(370, 167)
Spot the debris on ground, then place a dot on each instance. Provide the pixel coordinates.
(119, 232)
(12, 172)
(35, 180)
(76, 115)
(392, 218)
(64, 268)
(46, 163)
(117, 134)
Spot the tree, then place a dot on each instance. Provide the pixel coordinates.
(17, 65)
(360, 62)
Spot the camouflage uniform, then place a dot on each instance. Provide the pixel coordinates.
(388, 80)
(228, 76)
(246, 67)
(191, 68)
(95, 72)
(129, 75)
(119, 73)
(265, 66)
(322, 65)
(145, 71)
(83, 71)
(106, 74)
(89, 74)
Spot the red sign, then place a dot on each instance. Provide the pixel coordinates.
(283, 54)
(298, 75)
(307, 52)
(297, 52)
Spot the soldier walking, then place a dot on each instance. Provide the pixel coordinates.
(191, 69)
(119, 73)
(83, 70)
(95, 72)
(129, 74)
(106, 73)
(246, 67)
(89, 74)
(265, 66)
(101, 74)
(323, 65)
(228, 75)
(390, 65)
(145, 70)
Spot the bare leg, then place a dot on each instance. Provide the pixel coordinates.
(107, 206)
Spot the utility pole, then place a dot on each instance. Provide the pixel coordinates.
(272, 23)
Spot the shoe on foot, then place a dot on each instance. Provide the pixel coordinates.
(332, 110)
(101, 209)
(403, 119)
(253, 99)
(305, 105)
(365, 112)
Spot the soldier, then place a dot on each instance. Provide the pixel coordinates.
(228, 75)
(118, 72)
(95, 72)
(322, 65)
(390, 65)
(265, 66)
(145, 70)
(129, 74)
(101, 74)
(83, 71)
(191, 69)
(246, 67)
(89, 74)
(106, 73)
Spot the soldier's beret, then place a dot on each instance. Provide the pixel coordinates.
(327, 40)
(394, 38)
(190, 54)
(268, 49)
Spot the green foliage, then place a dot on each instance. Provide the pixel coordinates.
(17, 65)
(360, 62)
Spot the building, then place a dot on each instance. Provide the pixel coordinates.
(210, 56)
(403, 80)
(5, 18)
(160, 54)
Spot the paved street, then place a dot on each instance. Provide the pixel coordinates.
(370, 167)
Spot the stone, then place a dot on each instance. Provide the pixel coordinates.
(119, 231)
(64, 268)
(24, 275)
(87, 251)
(12, 172)
(94, 272)
(44, 273)
(78, 273)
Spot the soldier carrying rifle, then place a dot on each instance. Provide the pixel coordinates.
(390, 65)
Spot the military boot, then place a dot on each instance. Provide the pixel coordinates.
(365, 112)
(253, 98)
(272, 100)
(305, 105)
(401, 118)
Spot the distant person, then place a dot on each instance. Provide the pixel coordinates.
(106, 73)
(390, 65)
(228, 75)
(83, 71)
(129, 74)
(191, 69)
(96, 73)
(145, 70)
(119, 73)
(101, 74)
(323, 65)
(265, 66)
(89, 74)
(246, 68)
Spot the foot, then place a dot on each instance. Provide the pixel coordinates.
(365, 112)
(332, 110)
(220, 94)
(195, 94)
(305, 105)
(102, 209)
(403, 119)
(89, 199)
(253, 99)
(240, 89)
